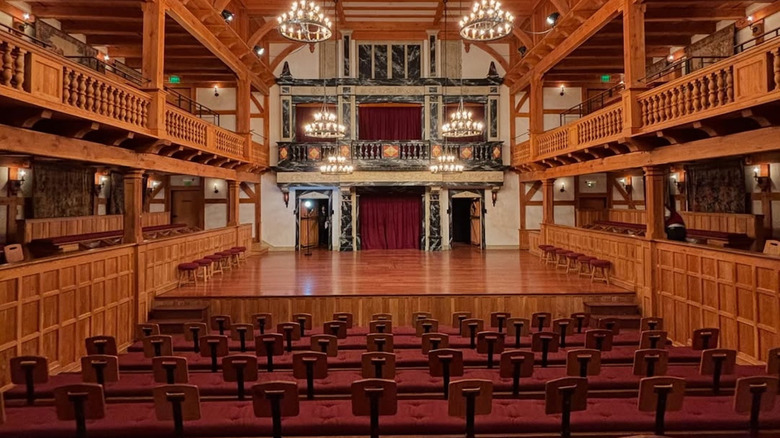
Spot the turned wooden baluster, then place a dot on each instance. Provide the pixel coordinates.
(133, 110)
(82, 90)
(102, 99)
(705, 87)
(696, 96)
(730, 84)
(722, 90)
(19, 68)
(88, 93)
(673, 98)
(7, 63)
(683, 99)
(66, 85)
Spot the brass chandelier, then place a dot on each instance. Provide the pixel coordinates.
(305, 23)
(461, 124)
(486, 22)
(446, 163)
(337, 165)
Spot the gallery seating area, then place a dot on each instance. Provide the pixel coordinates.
(505, 375)
(716, 238)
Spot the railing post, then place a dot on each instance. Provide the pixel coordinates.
(157, 109)
(632, 111)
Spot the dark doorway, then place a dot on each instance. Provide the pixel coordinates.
(461, 220)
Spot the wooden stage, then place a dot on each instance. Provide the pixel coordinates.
(400, 282)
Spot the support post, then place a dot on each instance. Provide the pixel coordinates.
(234, 203)
(134, 193)
(654, 193)
(548, 201)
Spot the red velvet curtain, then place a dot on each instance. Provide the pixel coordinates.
(303, 115)
(477, 113)
(390, 122)
(390, 222)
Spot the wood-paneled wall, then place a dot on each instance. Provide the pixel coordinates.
(67, 226)
(159, 259)
(48, 307)
(402, 307)
(749, 224)
(738, 292)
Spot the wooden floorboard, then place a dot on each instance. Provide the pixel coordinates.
(462, 271)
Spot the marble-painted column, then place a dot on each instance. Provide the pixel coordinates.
(345, 240)
(434, 224)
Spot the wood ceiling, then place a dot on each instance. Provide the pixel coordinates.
(118, 24)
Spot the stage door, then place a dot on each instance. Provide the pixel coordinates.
(390, 222)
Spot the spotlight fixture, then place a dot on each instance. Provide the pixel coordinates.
(22, 174)
(259, 51)
(670, 58)
(552, 19)
(522, 50)
(228, 16)
(590, 183)
(750, 19)
(153, 184)
(678, 184)
(15, 185)
(216, 91)
(762, 182)
(626, 183)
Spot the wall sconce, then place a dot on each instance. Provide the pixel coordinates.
(552, 19)
(626, 183)
(670, 58)
(228, 16)
(25, 23)
(762, 178)
(216, 188)
(679, 183)
(494, 196)
(563, 90)
(563, 187)
(152, 186)
(216, 91)
(590, 183)
(15, 184)
(286, 198)
(101, 182)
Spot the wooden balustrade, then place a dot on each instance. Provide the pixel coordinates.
(521, 153)
(36, 76)
(552, 142)
(47, 228)
(596, 128)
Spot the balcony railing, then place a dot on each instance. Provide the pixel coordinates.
(389, 155)
(39, 77)
(191, 106)
(115, 67)
(748, 79)
(595, 103)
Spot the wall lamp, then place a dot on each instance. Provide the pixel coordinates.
(99, 184)
(679, 182)
(152, 186)
(494, 196)
(216, 188)
(563, 90)
(563, 187)
(761, 175)
(286, 198)
(216, 91)
(15, 183)
(626, 183)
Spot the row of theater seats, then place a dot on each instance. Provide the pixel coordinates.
(572, 261)
(211, 265)
(337, 392)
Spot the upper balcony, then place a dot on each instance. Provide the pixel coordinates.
(718, 97)
(110, 106)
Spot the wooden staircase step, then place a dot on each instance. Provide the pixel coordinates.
(626, 321)
(183, 313)
(172, 326)
(603, 308)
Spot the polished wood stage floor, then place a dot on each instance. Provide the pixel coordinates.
(462, 271)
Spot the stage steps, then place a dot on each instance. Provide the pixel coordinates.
(171, 319)
(628, 313)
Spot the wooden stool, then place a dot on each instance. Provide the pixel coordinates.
(585, 269)
(216, 266)
(188, 273)
(572, 260)
(551, 255)
(543, 252)
(241, 252)
(561, 259)
(226, 261)
(204, 268)
(600, 267)
(235, 257)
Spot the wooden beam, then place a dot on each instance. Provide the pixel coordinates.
(634, 56)
(23, 141)
(153, 48)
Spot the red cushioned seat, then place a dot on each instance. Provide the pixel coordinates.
(600, 263)
(188, 266)
(574, 255)
(585, 259)
(239, 248)
(204, 262)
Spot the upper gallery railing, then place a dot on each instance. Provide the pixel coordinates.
(31, 73)
(748, 79)
(400, 155)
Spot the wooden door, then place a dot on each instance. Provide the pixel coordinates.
(476, 222)
(186, 207)
(309, 228)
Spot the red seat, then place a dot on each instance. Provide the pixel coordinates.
(601, 263)
(188, 266)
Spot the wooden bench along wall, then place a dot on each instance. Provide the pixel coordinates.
(48, 306)
(691, 285)
(749, 224)
(67, 226)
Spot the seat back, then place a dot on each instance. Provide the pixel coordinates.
(581, 319)
(434, 341)
(599, 339)
(427, 325)
(374, 340)
(186, 395)
(382, 317)
(481, 390)
(101, 345)
(466, 324)
(304, 319)
(653, 339)
(649, 389)
(327, 344)
(292, 327)
(190, 328)
(145, 329)
(380, 326)
(217, 321)
(565, 324)
(554, 391)
(502, 317)
(773, 362)
(726, 357)
(303, 359)
(651, 323)
(484, 339)
(161, 365)
(457, 317)
(589, 357)
(538, 340)
(264, 320)
(335, 328)
(162, 344)
(543, 319)
(13, 253)
(94, 405)
(437, 359)
(416, 316)
(236, 329)
(272, 341)
(285, 392)
(247, 363)
(612, 324)
(384, 390)
(767, 386)
(218, 343)
(643, 358)
(705, 338)
(37, 366)
(370, 361)
(512, 358)
(347, 317)
(772, 247)
(95, 364)
(513, 325)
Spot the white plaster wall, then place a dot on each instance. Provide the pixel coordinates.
(477, 61)
(502, 221)
(599, 180)
(185, 180)
(278, 220)
(215, 215)
(156, 208)
(564, 214)
(303, 63)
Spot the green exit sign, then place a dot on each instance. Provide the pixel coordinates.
(174, 79)
(606, 78)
